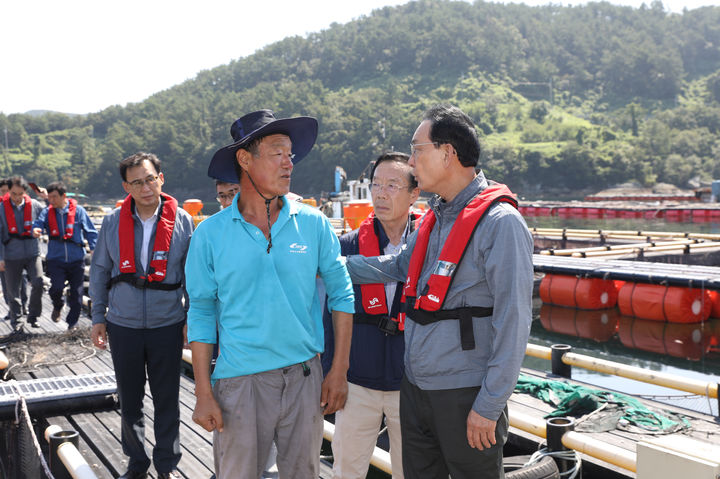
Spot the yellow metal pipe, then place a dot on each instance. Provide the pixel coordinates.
(639, 374)
(582, 443)
(538, 351)
(4, 361)
(600, 450)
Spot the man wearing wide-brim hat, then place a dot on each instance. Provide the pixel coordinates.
(251, 272)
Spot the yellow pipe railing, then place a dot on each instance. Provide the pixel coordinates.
(672, 381)
(583, 443)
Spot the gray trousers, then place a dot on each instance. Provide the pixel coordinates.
(281, 405)
(13, 280)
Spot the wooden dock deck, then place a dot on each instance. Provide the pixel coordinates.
(60, 353)
(702, 427)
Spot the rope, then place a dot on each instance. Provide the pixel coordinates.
(563, 455)
(21, 409)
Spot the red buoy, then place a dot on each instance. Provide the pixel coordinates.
(665, 303)
(574, 292)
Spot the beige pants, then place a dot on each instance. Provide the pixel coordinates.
(282, 405)
(356, 430)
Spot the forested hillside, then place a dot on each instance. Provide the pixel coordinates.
(564, 97)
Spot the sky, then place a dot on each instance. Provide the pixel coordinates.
(81, 56)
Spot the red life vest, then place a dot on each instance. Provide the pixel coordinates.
(161, 248)
(10, 217)
(70, 224)
(374, 300)
(427, 307)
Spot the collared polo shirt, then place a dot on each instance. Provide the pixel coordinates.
(262, 308)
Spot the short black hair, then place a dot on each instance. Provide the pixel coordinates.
(18, 181)
(58, 186)
(397, 157)
(136, 160)
(449, 124)
(5, 182)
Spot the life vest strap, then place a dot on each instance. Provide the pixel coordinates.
(142, 283)
(464, 315)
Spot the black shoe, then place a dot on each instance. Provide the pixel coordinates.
(33, 322)
(72, 326)
(55, 316)
(169, 475)
(130, 474)
(7, 317)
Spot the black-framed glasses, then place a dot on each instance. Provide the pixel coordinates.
(138, 184)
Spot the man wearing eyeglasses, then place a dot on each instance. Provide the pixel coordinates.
(137, 287)
(376, 354)
(468, 290)
(225, 192)
(20, 251)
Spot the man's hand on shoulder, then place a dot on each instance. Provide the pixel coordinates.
(99, 335)
(207, 413)
(334, 391)
(480, 431)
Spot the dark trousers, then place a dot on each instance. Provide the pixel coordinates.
(14, 278)
(434, 435)
(73, 273)
(6, 295)
(159, 351)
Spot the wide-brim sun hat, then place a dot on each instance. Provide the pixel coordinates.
(302, 130)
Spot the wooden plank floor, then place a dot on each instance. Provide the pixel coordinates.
(703, 427)
(62, 353)
(65, 353)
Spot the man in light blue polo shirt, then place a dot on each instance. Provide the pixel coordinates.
(251, 272)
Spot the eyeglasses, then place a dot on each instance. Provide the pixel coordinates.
(229, 196)
(391, 188)
(138, 184)
(413, 146)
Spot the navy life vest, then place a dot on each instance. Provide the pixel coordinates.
(427, 307)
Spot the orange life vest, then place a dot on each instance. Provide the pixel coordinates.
(13, 231)
(374, 301)
(427, 307)
(69, 225)
(157, 269)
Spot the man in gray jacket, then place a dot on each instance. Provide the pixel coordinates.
(19, 250)
(137, 287)
(468, 291)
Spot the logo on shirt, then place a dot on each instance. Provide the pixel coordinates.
(126, 264)
(433, 298)
(298, 248)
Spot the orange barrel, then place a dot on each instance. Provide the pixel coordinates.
(583, 293)
(193, 206)
(687, 341)
(665, 303)
(355, 212)
(598, 325)
(715, 298)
